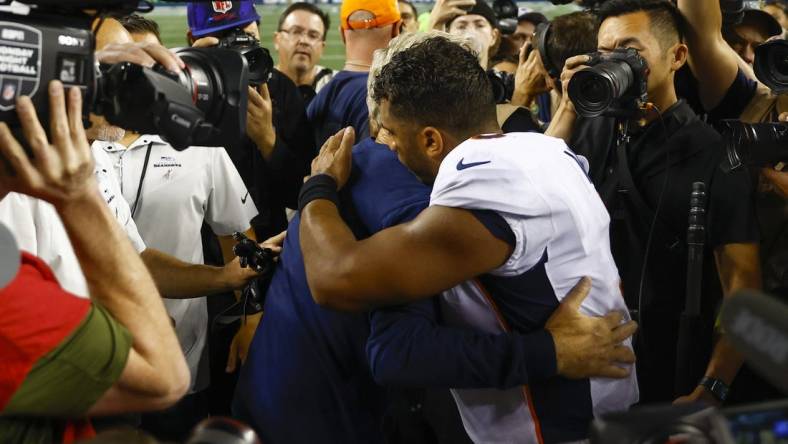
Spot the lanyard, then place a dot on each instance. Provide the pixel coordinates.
(142, 179)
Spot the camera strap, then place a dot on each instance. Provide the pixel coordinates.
(142, 179)
(626, 187)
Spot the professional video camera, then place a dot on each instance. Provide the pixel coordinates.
(205, 104)
(261, 65)
(760, 144)
(615, 84)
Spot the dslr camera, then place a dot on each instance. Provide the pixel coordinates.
(203, 105)
(261, 65)
(760, 144)
(615, 84)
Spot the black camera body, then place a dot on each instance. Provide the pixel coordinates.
(261, 65)
(615, 84)
(33, 52)
(204, 105)
(502, 85)
(760, 144)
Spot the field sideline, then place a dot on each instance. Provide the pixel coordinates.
(172, 20)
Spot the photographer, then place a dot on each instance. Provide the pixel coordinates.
(566, 36)
(65, 357)
(276, 155)
(645, 176)
(732, 95)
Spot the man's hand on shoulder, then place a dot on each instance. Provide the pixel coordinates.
(334, 158)
(588, 346)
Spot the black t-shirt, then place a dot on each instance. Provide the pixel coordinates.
(274, 184)
(521, 121)
(736, 99)
(664, 159)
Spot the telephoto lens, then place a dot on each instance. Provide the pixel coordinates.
(614, 84)
(771, 65)
(755, 144)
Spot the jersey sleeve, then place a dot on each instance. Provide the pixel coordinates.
(477, 179)
(68, 380)
(230, 208)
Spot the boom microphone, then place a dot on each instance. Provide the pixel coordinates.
(757, 326)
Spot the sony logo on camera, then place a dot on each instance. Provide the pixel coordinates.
(71, 41)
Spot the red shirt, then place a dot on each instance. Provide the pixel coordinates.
(37, 315)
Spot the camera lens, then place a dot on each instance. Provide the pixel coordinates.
(201, 78)
(594, 90)
(771, 65)
(756, 144)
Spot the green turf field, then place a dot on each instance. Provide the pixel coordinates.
(173, 31)
(172, 21)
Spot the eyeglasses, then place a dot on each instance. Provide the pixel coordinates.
(297, 33)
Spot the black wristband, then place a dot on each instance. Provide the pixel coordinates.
(320, 186)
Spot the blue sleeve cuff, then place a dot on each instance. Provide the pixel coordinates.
(539, 351)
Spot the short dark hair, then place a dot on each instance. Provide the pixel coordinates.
(666, 19)
(437, 83)
(412, 6)
(308, 7)
(533, 17)
(137, 24)
(571, 35)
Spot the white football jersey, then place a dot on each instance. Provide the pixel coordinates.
(542, 190)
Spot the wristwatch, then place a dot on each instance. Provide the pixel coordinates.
(716, 387)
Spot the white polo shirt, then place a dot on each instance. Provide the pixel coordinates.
(180, 190)
(39, 230)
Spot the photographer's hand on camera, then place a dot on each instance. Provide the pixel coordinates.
(259, 121)
(530, 79)
(563, 122)
(60, 171)
(144, 53)
(778, 179)
(334, 158)
(589, 346)
(445, 10)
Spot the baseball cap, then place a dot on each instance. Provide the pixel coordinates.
(208, 17)
(762, 20)
(483, 9)
(384, 12)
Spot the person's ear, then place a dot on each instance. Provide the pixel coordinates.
(276, 40)
(680, 54)
(396, 29)
(432, 143)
